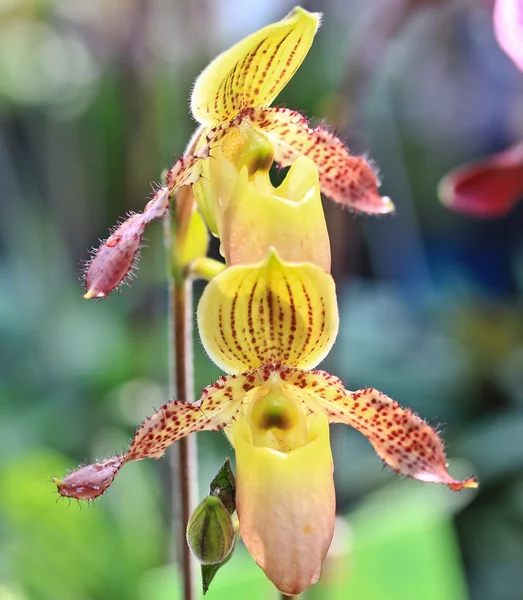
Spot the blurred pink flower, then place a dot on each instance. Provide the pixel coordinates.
(508, 26)
(487, 188)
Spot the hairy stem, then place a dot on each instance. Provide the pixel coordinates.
(183, 457)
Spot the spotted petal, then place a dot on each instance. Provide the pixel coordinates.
(255, 70)
(267, 313)
(348, 180)
(215, 409)
(404, 441)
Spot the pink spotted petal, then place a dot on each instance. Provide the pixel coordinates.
(217, 406)
(215, 409)
(487, 188)
(348, 180)
(405, 442)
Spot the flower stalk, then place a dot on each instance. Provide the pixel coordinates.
(184, 456)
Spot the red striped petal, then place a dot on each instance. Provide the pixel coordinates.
(268, 313)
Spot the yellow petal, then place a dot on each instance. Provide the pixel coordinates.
(218, 175)
(348, 180)
(286, 505)
(277, 415)
(253, 71)
(289, 218)
(267, 313)
(192, 243)
(230, 146)
(402, 439)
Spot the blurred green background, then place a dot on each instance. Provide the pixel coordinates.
(93, 105)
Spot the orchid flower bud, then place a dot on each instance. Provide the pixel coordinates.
(210, 531)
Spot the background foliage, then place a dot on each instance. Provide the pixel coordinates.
(93, 104)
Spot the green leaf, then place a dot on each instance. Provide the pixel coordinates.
(223, 486)
(209, 571)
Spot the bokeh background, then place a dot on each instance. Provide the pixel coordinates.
(93, 105)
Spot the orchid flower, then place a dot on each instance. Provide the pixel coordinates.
(268, 325)
(231, 100)
(237, 89)
(271, 316)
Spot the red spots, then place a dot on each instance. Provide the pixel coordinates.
(113, 240)
(348, 180)
(268, 65)
(404, 441)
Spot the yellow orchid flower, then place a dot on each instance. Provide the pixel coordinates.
(250, 215)
(238, 87)
(268, 325)
(231, 99)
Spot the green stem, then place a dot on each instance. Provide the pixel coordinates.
(184, 455)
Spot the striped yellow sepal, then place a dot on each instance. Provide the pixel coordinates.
(254, 71)
(268, 313)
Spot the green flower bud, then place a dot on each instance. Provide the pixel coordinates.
(210, 532)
